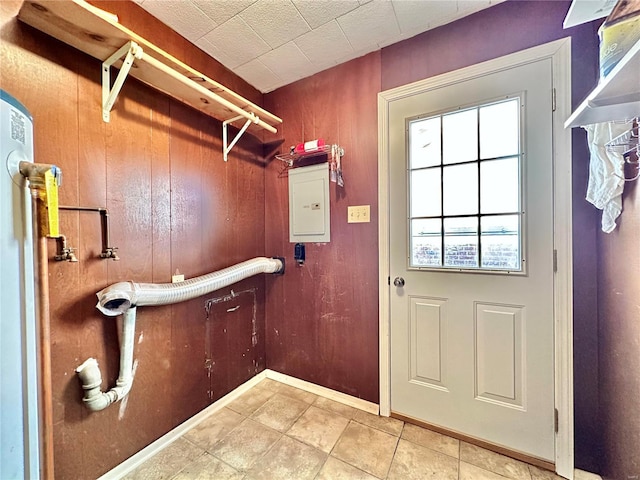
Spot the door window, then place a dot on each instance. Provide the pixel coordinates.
(465, 195)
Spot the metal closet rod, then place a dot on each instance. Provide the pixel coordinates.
(107, 251)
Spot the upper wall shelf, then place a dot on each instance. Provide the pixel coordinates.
(99, 34)
(617, 96)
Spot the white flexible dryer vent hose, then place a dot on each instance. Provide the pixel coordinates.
(122, 299)
(119, 297)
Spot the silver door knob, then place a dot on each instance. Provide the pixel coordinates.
(398, 282)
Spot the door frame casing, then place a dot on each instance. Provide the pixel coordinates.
(559, 51)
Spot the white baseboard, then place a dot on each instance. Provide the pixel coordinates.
(324, 392)
(149, 451)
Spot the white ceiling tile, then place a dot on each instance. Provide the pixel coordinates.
(319, 12)
(221, 11)
(258, 75)
(183, 16)
(370, 24)
(278, 25)
(297, 38)
(287, 61)
(467, 7)
(418, 14)
(233, 43)
(324, 45)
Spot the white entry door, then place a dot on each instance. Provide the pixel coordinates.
(471, 254)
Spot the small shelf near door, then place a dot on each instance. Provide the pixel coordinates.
(617, 96)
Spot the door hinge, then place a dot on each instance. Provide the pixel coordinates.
(555, 420)
(555, 261)
(388, 280)
(553, 100)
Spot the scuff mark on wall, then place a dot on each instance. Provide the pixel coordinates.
(208, 354)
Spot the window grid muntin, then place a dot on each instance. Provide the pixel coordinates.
(518, 99)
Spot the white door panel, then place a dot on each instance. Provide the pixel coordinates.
(473, 352)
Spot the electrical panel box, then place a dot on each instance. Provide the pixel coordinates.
(309, 219)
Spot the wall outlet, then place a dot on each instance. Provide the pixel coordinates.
(177, 278)
(358, 214)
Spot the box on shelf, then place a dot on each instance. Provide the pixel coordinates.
(619, 32)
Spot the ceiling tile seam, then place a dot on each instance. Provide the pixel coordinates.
(395, 16)
(345, 33)
(207, 16)
(304, 19)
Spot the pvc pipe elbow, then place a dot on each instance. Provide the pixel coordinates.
(91, 378)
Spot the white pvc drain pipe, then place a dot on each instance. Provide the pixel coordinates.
(122, 299)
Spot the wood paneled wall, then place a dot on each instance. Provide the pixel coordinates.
(619, 341)
(173, 204)
(322, 317)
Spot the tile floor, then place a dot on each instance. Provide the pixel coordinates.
(275, 431)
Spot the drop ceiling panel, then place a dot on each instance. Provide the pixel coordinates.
(285, 40)
(287, 61)
(325, 45)
(183, 16)
(319, 12)
(258, 75)
(370, 24)
(221, 11)
(233, 43)
(276, 26)
(417, 15)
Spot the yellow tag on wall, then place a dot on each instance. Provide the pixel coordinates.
(51, 199)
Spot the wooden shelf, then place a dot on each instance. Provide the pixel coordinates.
(617, 96)
(99, 34)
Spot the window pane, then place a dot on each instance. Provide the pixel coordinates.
(461, 242)
(500, 129)
(460, 136)
(499, 186)
(460, 189)
(500, 240)
(425, 192)
(426, 244)
(424, 143)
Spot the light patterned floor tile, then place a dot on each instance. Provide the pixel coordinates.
(494, 462)
(318, 428)
(166, 463)
(414, 462)
(366, 448)
(280, 412)
(207, 467)
(245, 444)
(249, 402)
(540, 474)
(335, 469)
(471, 472)
(335, 407)
(386, 424)
(288, 460)
(214, 428)
(433, 440)
(292, 392)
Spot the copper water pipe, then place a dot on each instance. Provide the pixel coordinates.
(35, 173)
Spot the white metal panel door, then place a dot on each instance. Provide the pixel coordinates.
(473, 352)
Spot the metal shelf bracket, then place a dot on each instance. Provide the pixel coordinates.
(109, 95)
(226, 149)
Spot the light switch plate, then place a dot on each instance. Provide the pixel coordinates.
(358, 214)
